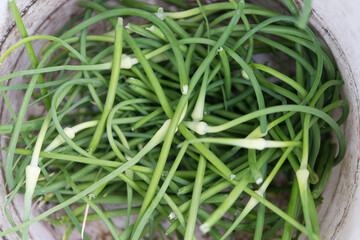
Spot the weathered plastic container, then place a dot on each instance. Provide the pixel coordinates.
(336, 22)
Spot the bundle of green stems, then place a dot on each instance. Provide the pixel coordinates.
(190, 118)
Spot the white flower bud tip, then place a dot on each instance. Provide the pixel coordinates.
(185, 89)
(152, 28)
(198, 127)
(126, 61)
(69, 131)
(134, 61)
(172, 215)
(259, 181)
(160, 13)
(204, 228)
(244, 74)
(257, 143)
(32, 174)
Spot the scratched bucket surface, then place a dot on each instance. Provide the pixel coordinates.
(336, 22)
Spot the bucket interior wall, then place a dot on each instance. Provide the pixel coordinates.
(337, 24)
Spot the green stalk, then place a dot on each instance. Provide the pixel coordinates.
(227, 72)
(195, 200)
(115, 72)
(29, 49)
(160, 194)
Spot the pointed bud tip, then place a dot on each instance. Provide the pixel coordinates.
(185, 89)
(204, 228)
(120, 21)
(259, 181)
